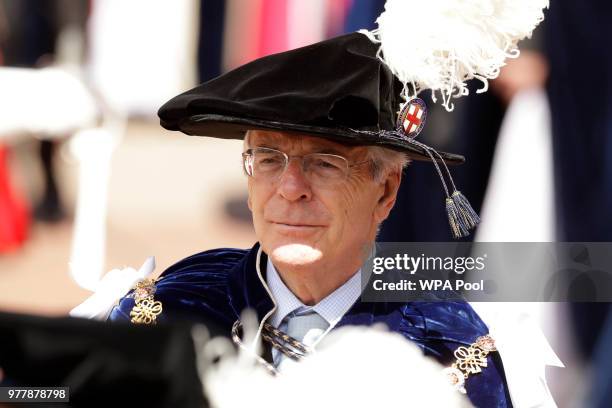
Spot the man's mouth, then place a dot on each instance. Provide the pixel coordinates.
(296, 229)
(297, 224)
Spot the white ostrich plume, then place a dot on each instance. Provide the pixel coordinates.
(440, 44)
(352, 367)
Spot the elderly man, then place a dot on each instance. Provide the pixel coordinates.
(317, 205)
(324, 163)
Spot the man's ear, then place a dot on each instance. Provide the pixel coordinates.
(387, 199)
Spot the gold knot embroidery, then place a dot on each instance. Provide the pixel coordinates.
(469, 360)
(146, 309)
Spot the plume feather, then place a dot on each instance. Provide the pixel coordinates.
(441, 44)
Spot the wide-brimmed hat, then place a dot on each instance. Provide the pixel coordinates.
(338, 89)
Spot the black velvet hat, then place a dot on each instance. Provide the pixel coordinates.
(337, 89)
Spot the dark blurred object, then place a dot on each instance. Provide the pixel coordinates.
(363, 14)
(104, 364)
(580, 94)
(32, 31)
(50, 208)
(210, 39)
(236, 207)
(601, 388)
(28, 37)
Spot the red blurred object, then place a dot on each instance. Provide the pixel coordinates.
(14, 214)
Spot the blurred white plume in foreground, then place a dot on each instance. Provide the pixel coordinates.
(353, 367)
(47, 102)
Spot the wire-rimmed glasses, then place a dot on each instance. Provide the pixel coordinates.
(322, 169)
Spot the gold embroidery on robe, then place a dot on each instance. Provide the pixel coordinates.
(146, 309)
(469, 360)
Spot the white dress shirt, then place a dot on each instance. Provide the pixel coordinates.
(331, 308)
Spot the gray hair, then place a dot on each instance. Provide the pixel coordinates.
(384, 161)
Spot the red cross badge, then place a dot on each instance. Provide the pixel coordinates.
(412, 118)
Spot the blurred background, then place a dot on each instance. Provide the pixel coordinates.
(89, 181)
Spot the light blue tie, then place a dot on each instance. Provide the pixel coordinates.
(306, 327)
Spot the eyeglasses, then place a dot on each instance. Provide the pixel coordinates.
(321, 169)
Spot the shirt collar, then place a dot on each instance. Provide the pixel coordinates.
(331, 308)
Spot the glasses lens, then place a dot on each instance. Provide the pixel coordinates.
(320, 168)
(267, 163)
(326, 168)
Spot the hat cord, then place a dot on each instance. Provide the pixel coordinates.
(461, 215)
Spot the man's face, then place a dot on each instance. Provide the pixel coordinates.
(305, 225)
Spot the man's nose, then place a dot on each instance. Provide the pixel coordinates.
(293, 184)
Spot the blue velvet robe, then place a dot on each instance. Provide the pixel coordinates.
(217, 285)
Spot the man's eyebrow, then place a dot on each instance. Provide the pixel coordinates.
(331, 150)
(267, 144)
